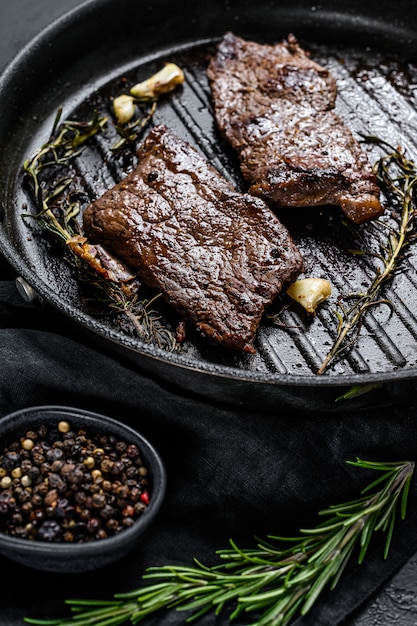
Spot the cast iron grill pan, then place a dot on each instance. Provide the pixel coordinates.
(377, 86)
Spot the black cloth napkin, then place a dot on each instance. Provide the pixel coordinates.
(231, 474)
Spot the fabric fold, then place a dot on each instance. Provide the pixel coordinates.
(231, 474)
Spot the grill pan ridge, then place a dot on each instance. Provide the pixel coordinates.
(377, 95)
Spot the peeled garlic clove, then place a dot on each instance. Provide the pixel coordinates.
(310, 292)
(124, 108)
(162, 82)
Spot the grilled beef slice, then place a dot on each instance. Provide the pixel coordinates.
(275, 107)
(219, 257)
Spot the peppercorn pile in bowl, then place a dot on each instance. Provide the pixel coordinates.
(77, 489)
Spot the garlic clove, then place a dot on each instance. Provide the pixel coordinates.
(310, 292)
(124, 108)
(162, 82)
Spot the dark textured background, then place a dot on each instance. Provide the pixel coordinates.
(229, 474)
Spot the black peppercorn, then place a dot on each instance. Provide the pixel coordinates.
(17, 519)
(26, 465)
(112, 525)
(56, 466)
(49, 530)
(66, 469)
(98, 500)
(7, 503)
(93, 525)
(107, 511)
(78, 532)
(26, 508)
(69, 435)
(106, 466)
(132, 451)
(135, 494)
(34, 473)
(37, 499)
(139, 508)
(76, 476)
(80, 497)
(45, 469)
(42, 431)
(120, 447)
(42, 487)
(56, 482)
(54, 454)
(38, 458)
(118, 468)
(10, 461)
(25, 496)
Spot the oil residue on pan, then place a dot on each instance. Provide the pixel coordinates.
(376, 97)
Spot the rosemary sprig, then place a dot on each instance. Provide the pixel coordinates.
(64, 144)
(275, 580)
(397, 176)
(108, 278)
(146, 320)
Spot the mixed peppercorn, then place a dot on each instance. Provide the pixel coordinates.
(64, 485)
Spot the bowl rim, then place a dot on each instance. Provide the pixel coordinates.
(154, 464)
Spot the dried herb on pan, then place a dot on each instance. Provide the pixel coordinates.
(274, 581)
(64, 144)
(397, 176)
(110, 282)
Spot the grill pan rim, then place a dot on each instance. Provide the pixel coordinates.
(21, 63)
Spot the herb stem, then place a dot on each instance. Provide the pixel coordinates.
(397, 176)
(110, 281)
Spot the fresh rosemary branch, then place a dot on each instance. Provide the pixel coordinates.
(397, 177)
(275, 580)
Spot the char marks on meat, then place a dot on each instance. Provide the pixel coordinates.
(219, 257)
(275, 107)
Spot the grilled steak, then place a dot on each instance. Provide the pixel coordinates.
(275, 107)
(219, 257)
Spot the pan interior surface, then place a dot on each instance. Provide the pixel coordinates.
(375, 65)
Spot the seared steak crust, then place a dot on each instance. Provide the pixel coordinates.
(275, 107)
(219, 257)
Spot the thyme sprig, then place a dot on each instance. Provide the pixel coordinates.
(63, 145)
(110, 282)
(147, 322)
(275, 580)
(397, 176)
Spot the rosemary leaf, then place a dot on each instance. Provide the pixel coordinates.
(271, 582)
(358, 390)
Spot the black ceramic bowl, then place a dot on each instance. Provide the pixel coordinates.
(80, 557)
